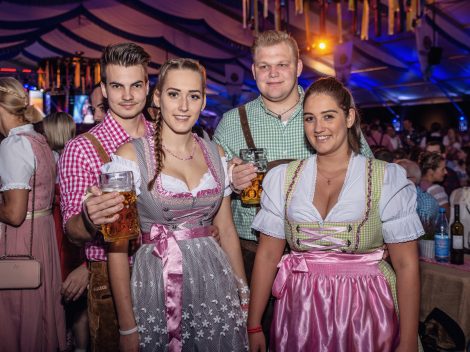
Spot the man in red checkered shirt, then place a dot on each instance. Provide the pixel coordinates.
(125, 85)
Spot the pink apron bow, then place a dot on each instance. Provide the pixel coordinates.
(166, 248)
(289, 263)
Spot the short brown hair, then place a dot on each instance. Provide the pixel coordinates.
(270, 38)
(343, 97)
(59, 128)
(429, 161)
(123, 54)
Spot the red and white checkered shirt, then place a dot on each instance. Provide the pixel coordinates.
(79, 168)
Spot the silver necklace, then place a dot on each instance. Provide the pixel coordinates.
(182, 158)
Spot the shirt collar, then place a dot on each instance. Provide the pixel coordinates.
(21, 129)
(296, 110)
(113, 128)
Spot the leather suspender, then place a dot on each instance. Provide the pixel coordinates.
(249, 138)
(104, 157)
(246, 127)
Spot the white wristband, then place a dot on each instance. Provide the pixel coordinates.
(128, 332)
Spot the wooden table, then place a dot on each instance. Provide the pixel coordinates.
(447, 288)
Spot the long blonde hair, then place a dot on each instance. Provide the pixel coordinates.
(15, 100)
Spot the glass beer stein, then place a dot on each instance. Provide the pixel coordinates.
(251, 195)
(127, 226)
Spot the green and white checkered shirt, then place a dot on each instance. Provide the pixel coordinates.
(281, 141)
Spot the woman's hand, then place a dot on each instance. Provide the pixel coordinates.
(75, 284)
(129, 343)
(257, 342)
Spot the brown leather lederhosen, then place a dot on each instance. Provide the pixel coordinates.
(103, 324)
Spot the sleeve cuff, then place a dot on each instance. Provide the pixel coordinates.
(404, 229)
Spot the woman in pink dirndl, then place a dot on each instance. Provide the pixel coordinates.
(333, 291)
(32, 320)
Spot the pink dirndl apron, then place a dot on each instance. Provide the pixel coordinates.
(331, 296)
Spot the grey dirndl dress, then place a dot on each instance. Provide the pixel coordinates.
(199, 308)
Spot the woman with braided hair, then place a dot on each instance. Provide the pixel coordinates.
(32, 319)
(186, 292)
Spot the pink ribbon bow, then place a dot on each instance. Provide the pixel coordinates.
(167, 249)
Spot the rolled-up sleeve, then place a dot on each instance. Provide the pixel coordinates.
(400, 221)
(16, 163)
(270, 218)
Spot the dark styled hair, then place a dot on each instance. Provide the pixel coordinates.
(155, 112)
(336, 90)
(429, 161)
(123, 54)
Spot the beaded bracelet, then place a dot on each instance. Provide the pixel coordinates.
(128, 332)
(254, 330)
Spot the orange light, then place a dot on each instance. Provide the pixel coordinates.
(26, 70)
(7, 69)
(322, 45)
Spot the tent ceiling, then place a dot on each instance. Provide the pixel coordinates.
(385, 69)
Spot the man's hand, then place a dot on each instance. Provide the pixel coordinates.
(103, 208)
(242, 174)
(75, 284)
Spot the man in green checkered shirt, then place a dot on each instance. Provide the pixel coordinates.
(274, 118)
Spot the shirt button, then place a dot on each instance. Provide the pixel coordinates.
(165, 209)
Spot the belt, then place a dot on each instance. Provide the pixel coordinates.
(167, 249)
(38, 213)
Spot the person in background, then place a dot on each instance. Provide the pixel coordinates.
(33, 320)
(98, 104)
(452, 140)
(183, 188)
(378, 139)
(334, 291)
(410, 136)
(394, 137)
(59, 128)
(427, 206)
(451, 181)
(433, 171)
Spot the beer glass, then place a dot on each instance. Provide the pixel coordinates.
(251, 195)
(127, 226)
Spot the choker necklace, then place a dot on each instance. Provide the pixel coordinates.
(184, 158)
(279, 116)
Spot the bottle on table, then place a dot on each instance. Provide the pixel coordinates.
(441, 238)
(456, 232)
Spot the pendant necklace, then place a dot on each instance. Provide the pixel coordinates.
(279, 116)
(184, 158)
(328, 179)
